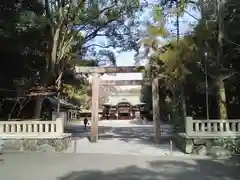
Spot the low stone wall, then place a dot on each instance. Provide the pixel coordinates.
(212, 128)
(36, 144)
(208, 145)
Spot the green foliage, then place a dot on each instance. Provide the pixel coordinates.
(43, 41)
(18, 50)
(184, 62)
(157, 31)
(174, 62)
(80, 94)
(158, 13)
(73, 26)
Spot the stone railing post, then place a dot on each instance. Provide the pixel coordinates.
(188, 125)
(1, 128)
(59, 126)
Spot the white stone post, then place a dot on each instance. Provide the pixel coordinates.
(188, 125)
(1, 127)
(59, 126)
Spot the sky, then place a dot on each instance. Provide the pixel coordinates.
(127, 58)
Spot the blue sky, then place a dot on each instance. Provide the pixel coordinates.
(127, 58)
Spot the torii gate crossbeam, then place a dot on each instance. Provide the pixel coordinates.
(118, 69)
(121, 82)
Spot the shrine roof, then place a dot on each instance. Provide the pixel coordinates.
(131, 99)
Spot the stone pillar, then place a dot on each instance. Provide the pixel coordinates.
(95, 107)
(156, 109)
(188, 125)
(60, 126)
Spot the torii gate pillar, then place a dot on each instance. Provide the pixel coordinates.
(156, 109)
(95, 107)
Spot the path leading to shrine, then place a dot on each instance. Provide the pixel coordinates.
(61, 166)
(121, 137)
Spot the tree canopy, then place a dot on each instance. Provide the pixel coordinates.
(42, 41)
(202, 61)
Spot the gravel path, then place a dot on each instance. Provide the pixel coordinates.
(47, 166)
(121, 137)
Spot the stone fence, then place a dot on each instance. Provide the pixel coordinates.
(31, 129)
(210, 137)
(212, 128)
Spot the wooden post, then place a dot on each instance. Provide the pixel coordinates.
(156, 109)
(95, 107)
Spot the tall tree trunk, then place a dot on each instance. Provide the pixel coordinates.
(49, 73)
(182, 93)
(221, 98)
(221, 95)
(178, 113)
(52, 37)
(38, 107)
(58, 93)
(39, 99)
(54, 65)
(58, 100)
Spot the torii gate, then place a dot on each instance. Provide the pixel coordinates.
(96, 71)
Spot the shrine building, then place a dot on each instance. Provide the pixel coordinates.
(122, 107)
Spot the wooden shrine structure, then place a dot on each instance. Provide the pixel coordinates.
(96, 71)
(123, 106)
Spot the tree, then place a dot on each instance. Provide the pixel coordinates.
(21, 56)
(185, 60)
(71, 25)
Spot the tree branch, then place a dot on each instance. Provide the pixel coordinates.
(94, 33)
(97, 45)
(191, 15)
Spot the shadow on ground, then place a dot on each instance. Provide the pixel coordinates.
(166, 170)
(78, 131)
(112, 132)
(141, 122)
(107, 132)
(135, 135)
